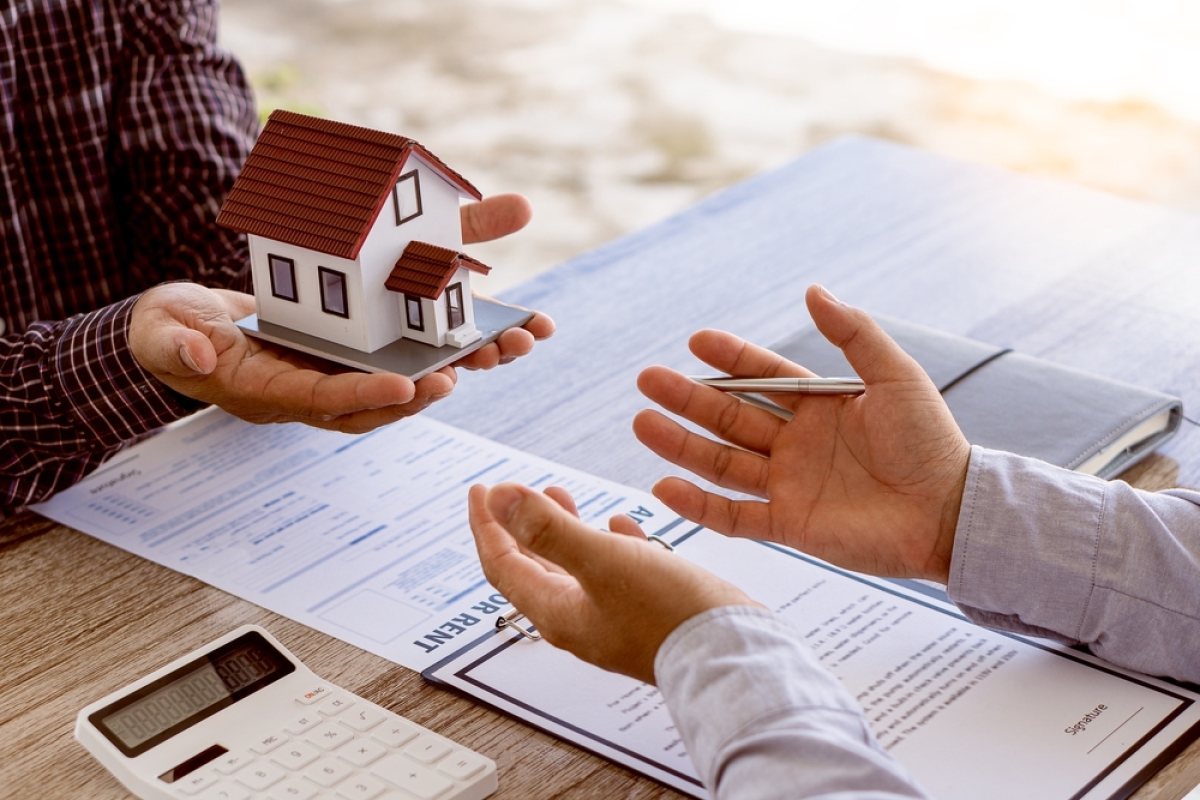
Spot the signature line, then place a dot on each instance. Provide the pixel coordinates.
(1114, 730)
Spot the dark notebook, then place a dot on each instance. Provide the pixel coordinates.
(1005, 400)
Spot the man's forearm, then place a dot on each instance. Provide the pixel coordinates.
(1049, 552)
(71, 394)
(762, 719)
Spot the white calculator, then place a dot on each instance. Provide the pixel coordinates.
(242, 718)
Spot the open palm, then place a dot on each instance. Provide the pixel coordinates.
(184, 335)
(871, 483)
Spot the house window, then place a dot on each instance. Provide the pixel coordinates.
(406, 197)
(333, 292)
(454, 305)
(412, 311)
(283, 278)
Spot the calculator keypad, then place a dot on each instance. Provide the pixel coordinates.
(340, 746)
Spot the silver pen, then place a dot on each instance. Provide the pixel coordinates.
(786, 385)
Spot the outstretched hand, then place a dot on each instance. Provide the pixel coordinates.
(609, 598)
(184, 335)
(872, 482)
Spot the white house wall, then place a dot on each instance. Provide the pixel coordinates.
(306, 315)
(438, 225)
(376, 314)
(435, 310)
(463, 276)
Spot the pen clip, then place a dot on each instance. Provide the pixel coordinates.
(509, 620)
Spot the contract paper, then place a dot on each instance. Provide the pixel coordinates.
(362, 537)
(972, 714)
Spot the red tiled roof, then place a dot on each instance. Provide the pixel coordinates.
(426, 269)
(320, 184)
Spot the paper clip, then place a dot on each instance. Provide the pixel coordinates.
(661, 542)
(509, 620)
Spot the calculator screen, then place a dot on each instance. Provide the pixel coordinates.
(194, 692)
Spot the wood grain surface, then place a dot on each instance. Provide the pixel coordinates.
(1052, 270)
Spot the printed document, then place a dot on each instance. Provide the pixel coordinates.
(362, 537)
(971, 713)
(366, 539)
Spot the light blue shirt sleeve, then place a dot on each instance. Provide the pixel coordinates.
(762, 719)
(1049, 552)
(1038, 550)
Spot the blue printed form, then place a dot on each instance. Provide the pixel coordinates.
(362, 537)
(972, 714)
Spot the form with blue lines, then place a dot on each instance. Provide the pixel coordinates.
(364, 537)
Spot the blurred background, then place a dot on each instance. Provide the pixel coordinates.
(613, 114)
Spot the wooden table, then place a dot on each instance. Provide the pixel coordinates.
(1079, 277)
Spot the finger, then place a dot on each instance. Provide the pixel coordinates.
(543, 527)
(733, 355)
(626, 526)
(511, 344)
(514, 343)
(239, 304)
(746, 518)
(494, 217)
(348, 393)
(563, 498)
(428, 391)
(540, 325)
(736, 422)
(335, 399)
(873, 354)
(171, 348)
(485, 357)
(504, 565)
(729, 467)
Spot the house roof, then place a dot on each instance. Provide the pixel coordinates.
(426, 269)
(320, 184)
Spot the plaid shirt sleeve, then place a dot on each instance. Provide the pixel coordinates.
(133, 125)
(66, 427)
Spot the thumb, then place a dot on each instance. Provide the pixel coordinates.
(177, 350)
(546, 529)
(873, 354)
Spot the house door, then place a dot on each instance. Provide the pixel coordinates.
(454, 306)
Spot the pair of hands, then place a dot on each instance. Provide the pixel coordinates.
(184, 335)
(871, 483)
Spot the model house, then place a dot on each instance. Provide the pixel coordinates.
(354, 235)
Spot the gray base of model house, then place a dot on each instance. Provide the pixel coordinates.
(403, 356)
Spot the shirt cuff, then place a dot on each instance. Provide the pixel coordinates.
(1026, 545)
(736, 670)
(102, 386)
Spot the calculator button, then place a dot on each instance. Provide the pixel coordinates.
(226, 791)
(335, 705)
(414, 779)
(462, 765)
(268, 743)
(427, 749)
(260, 776)
(362, 752)
(361, 787)
(329, 736)
(196, 781)
(363, 717)
(232, 762)
(294, 789)
(301, 724)
(328, 771)
(296, 755)
(313, 695)
(395, 732)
